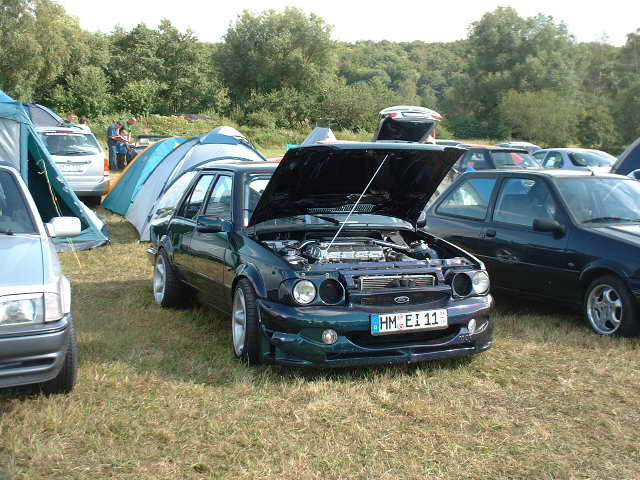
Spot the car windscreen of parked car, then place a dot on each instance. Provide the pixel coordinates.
(591, 159)
(601, 200)
(252, 192)
(70, 143)
(511, 159)
(14, 214)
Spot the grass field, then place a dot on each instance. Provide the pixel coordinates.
(160, 396)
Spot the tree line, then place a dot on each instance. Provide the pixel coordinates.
(512, 77)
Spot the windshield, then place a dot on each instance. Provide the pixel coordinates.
(513, 159)
(253, 189)
(70, 143)
(405, 130)
(591, 159)
(601, 200)
(14, 212)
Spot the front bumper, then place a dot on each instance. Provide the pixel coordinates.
(34, 357)
(88, 188)
(292, 335)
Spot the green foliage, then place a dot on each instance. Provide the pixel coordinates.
(275, 50)
(627, 109)
(281, 69)
(88, 92)
(139, 97)
(544, 117)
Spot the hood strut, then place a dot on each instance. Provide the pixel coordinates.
(355, 205)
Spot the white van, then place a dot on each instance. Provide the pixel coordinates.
(80, 158)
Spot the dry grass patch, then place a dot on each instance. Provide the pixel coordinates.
(160, 396)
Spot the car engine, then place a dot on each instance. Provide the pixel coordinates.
(352, 250)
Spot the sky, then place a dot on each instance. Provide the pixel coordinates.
(405, 20)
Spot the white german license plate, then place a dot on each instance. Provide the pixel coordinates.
(69, 167)
(387, 323)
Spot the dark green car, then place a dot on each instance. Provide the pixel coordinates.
(318, 260)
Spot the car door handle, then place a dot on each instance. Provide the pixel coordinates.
(490, 233)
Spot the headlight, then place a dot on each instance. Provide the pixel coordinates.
(17, 309)
(480, 282)
(52, 307)
(304, 292)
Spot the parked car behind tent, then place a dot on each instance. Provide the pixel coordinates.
(195, 151)
(22, 147)
(127, 187)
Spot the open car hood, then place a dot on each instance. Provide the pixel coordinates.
(326, 179)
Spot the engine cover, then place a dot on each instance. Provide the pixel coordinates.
(352, 252)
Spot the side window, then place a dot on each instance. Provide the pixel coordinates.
(470, 199)
(169, 200)
(219, 203)
(521, 200)
(474, 161)
(192, 204)
(553, 160)
(539, 156)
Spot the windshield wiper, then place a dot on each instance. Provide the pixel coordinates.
(610, 219)
(328, 219)
(6, 231)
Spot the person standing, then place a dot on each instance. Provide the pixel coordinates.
(123, 148)
(113, 137)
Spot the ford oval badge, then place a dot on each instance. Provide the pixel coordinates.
(402, 299)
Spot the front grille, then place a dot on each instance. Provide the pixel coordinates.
(396, 281)
(365, 339)
(415, 298)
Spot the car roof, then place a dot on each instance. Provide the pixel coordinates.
(494, 148)
(544, 172)
(570, 149)
(239, 166)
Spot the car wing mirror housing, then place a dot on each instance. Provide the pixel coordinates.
(422, 220)
(549, 225)
(60, 227)
(208, 224)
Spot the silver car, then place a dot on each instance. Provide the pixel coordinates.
(80, 158)
(37, 334)
(575, 159)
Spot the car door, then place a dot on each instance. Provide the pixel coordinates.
(209, 250)
(182, 227)
(460, 216)
(520, 258)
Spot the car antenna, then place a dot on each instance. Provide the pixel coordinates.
(355, 205)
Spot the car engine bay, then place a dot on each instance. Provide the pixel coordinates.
(353, 247)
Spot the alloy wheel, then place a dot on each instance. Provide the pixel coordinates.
(239, 321)
(159, 279)
(604, 309)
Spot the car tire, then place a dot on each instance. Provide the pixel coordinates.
(245, 329)
(66, 378)
(168, 289)
(610, 308)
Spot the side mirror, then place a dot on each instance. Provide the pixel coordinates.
(548, 225)
(207, 224)
(64, 227)
(635, 174)
(422, 220)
